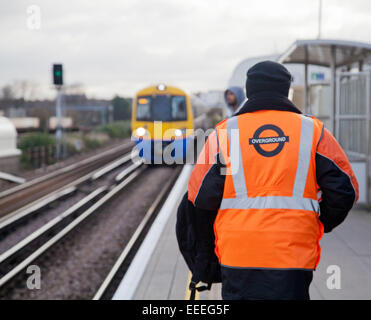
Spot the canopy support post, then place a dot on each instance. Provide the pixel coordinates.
(333, 90)
(306, 93)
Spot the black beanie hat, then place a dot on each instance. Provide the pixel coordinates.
(268, 76)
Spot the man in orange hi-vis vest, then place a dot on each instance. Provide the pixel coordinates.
(273, 180)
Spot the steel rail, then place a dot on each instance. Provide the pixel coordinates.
(50, 224)
(54, 195)
(36, 205)
(63, 170)
(133, 240)
(16, 198)
(82, 217)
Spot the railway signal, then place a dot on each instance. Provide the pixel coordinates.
(58, 74)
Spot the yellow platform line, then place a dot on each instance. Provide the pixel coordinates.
(188, 292)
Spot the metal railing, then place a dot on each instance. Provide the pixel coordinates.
(352, 122)
(353, 114)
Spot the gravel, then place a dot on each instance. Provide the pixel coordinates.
(75, 267)
(31, 224)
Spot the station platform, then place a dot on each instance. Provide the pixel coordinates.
(165, 276)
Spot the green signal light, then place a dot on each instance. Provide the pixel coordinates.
(57, 74)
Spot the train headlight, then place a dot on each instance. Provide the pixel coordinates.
(161, 87)
(140, 132)
(179, 132)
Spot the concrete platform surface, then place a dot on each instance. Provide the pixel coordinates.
(343, 273)
(345, 251)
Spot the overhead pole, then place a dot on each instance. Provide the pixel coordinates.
(319, 19)
(58, 113)
(58, 82)
(333, 91)
(306, 86)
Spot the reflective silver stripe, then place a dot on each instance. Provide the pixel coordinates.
(242, 201)
(238, 174)
(305, 148)
(264, 268)
(270, 202)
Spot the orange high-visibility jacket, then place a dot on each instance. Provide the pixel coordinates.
(269, 211)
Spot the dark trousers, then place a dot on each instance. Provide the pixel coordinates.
(265, 284)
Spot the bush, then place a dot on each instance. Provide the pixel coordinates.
(40, 149)
(90, 143)
(118, 129)
(36, 140)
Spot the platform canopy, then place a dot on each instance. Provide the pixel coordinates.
(327, 53)
(321, 52)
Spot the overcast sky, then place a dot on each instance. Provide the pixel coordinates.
(120, 46)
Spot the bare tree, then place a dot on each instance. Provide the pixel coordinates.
(7, 92)
(20, 89)
(27, 90)
(75, 89)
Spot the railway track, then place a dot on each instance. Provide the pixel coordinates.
(56, 229)
(37, 245)
(113, 278)
(34, 207)
(15, 198)
(81, 184)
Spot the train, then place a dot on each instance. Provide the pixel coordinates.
(28, 124)
(66, 123)
(23, 124)
(164, 119)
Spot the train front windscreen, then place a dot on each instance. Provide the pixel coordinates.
(161, 108)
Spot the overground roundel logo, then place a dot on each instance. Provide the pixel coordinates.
(256, 140)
